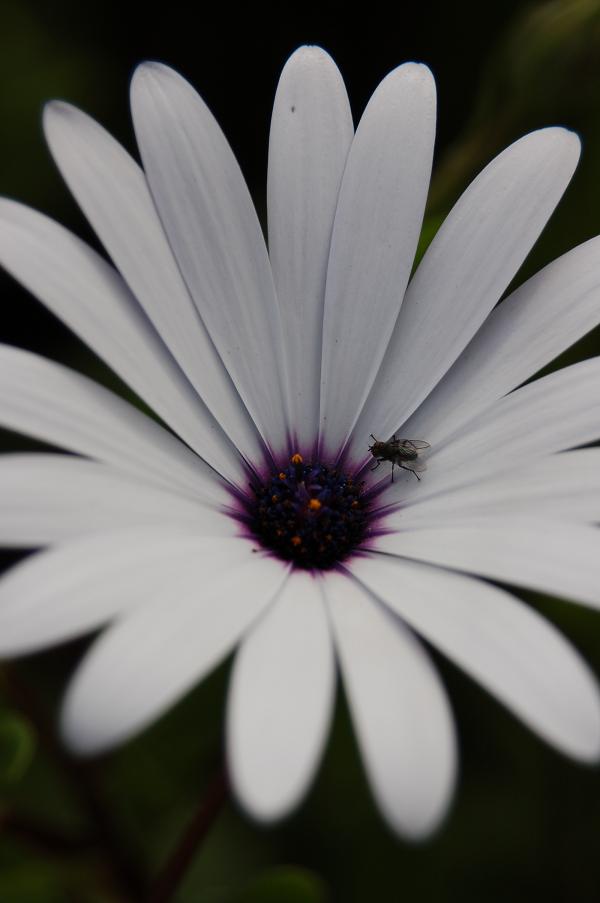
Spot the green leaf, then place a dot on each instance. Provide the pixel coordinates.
(17, 746)
(285, 884)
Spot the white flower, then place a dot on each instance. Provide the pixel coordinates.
(306, 354)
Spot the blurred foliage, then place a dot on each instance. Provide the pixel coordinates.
(543, 71)
(284, 883)
(17, 746)
(525, 822)
(52, 63)
(290, 884)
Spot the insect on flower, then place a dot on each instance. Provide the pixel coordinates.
(402, 453)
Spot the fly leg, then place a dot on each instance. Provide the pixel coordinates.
(410, 471)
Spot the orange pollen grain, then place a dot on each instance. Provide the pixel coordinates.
(296, 540)
(314, 504)
(274, 498)
(282, 476)
(297, 459)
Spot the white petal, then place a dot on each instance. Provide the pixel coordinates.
(554, 413)
(52, 498)
(542, 318)
(562, 487)
(69, 590)
(280, 701)
(47, 401)
(375, 234)
(213, 229)
(112, 191)
(311, 131)
(400, 711)
(477, 251)
(144, 664)
(508, 647)
(91, 298)
(549, 556)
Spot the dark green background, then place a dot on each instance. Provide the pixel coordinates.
(525, 824)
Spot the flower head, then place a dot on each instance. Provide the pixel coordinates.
(253, 517)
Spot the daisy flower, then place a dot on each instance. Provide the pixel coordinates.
(247, 514)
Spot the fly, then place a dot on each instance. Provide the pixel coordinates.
(402, 453)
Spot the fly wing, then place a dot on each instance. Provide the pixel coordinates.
(415, 464)
(416, 443)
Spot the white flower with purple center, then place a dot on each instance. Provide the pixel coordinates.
(251, 516)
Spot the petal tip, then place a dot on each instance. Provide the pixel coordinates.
(154, 83)
(425, 821)
(585, 747)
(307, 63)
(258, 804)
(555, 136)
(59, 115)
(145, 73)
(55, 109)
(76, 739)
(79, 721)
(572, 142)
(419, 73)
(309, 54)
(408, 80)
(153, 69)
(559, 144)
(565, 136)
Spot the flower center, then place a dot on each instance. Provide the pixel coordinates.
(310, 513)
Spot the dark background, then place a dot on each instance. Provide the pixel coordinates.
(526, 822)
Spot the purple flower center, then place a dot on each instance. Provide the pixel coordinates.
(312, 514)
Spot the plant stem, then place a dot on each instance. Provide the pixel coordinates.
(83, 779)
(173, 871)
(45, 837)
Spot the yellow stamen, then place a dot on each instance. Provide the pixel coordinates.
(297, 459)
(314, 504)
